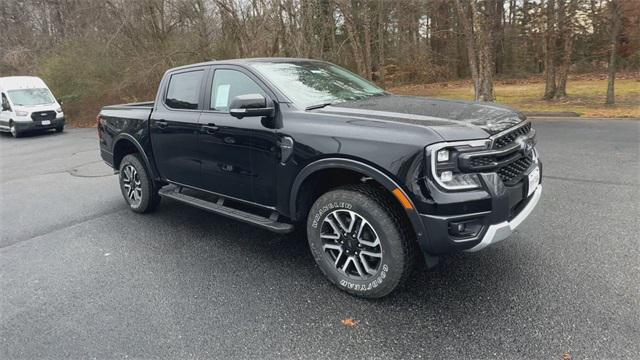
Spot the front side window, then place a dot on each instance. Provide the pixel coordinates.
(309, 83)
(31, 97)
(5, 102)
(228, 84)
(184, 90)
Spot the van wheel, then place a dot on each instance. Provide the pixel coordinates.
(136, 185)
(360, 241)
(59, 129)
(14, 131)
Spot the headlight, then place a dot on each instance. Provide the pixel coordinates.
(59, 110)
(443, 155)
(22, 113)
(444, 165)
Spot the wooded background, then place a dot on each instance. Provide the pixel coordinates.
(96, 52)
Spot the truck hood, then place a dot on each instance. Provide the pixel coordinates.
(453, 120)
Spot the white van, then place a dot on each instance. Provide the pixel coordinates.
(28, 104)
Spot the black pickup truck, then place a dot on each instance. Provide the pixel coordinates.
(379, 181)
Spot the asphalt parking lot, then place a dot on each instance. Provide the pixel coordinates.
(81, 276)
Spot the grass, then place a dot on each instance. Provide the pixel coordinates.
(586, 95)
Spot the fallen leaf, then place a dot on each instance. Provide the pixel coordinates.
(566, 356)
(349, 322)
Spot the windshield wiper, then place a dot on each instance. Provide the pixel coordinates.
(317, 106)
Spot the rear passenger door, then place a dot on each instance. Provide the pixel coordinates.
(174, 126)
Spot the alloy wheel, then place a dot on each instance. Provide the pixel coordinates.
(351, 243)
(132, 185)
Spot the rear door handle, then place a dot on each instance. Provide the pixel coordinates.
(162, 124)
(210, 128)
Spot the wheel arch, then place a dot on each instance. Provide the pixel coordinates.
(126, 144)
(366, 170)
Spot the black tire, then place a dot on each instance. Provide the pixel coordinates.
(383, 220)
(14, 130)
(146, 199)
(59, 129)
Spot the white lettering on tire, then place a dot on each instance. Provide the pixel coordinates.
(328, 207)
(372, 285)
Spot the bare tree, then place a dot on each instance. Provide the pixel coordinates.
(479, 35)
(616, 22)
(566, 29)
(550, 51)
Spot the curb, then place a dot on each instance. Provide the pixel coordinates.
(563, 114)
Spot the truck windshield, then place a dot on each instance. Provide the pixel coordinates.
(313, 84)
(30, 97)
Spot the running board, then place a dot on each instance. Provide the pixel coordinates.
(175, 192)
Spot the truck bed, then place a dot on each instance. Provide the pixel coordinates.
(137, 105)
(128, 120)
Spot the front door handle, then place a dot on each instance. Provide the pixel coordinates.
(162, 124)
(210, 128)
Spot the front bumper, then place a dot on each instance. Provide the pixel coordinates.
(503, 230)
(493, 212)
(37, 125)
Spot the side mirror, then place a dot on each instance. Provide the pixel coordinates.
(59, 102)
(250, 105)
(5, 107)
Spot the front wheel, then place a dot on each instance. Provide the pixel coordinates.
(360, 240)
(59, 129)
(137, 186)
(14, 130)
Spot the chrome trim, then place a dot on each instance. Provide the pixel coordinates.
(433, 149)
(488, 143)
(502, 151)
(503, 230)
(505, 132)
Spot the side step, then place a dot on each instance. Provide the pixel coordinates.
(175, 192)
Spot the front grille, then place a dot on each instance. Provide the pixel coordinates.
(43, 115)
(508, 160)
(509, 138)
(482, 161)
(513, 173)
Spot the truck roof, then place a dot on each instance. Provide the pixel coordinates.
(246, 61)
(21, 82)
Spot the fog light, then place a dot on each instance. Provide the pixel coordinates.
(465, 228)
(443, 155)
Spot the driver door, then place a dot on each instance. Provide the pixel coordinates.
(5, 113)
(228, 146)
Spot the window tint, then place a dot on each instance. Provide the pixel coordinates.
(5, 103)
(184, 90)
(228, 84)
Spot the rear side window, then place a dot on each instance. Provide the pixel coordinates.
(184, 90)
(228, 84)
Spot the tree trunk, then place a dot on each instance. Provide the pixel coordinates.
(381, 31)
(613, 47)
(550, 52)
(366, 29)
(472, 54)
(566, 13)
(485, 18)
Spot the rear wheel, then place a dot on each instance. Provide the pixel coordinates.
(137, 186)
(360, 241)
